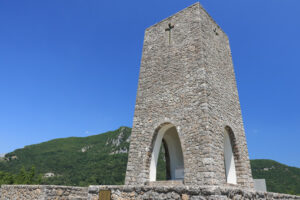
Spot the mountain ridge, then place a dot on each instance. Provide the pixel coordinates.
(102, 159)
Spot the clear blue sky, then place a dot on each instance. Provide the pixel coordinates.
(70, 68)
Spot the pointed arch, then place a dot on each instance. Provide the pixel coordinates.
(168, 135)
(230, 156)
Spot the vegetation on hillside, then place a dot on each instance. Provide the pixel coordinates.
(102, 159)
(98, 159)
(279, 178)
(27, 177)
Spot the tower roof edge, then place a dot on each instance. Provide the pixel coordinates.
(197, 4)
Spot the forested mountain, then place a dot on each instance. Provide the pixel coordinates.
(98, 159)
(101, 159)
(279, 177)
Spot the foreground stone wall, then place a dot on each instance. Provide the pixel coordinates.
(50, 192)
(21, 192)
(184, 193)
(42, 192)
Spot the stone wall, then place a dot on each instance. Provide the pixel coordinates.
(46, 192)
(184, 193)
(223, 108)
(42, 192)
(21, 192)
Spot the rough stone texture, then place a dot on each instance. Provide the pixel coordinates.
(184, 193)
(189, 83)
(42, 192)
(9, 192)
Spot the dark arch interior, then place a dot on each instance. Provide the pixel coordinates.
(170, 159)
(163, 165)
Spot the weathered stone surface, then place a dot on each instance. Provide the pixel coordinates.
(185, 193)
(189, 82)
(42, 192)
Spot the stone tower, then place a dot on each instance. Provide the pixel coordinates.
(187, 100)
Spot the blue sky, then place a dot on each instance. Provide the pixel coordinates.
(70, 68)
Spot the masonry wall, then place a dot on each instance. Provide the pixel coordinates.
(223, 105)
(185, 193)
(42, 192)
(170, 91)
(190, 83)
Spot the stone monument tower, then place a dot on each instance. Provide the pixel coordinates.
(187, 100)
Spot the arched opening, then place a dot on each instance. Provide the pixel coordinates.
(167, 139)
(229, 157)
(163, 163)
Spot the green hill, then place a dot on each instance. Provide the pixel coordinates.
(101, 159)
(98, 159)
(279, 177)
